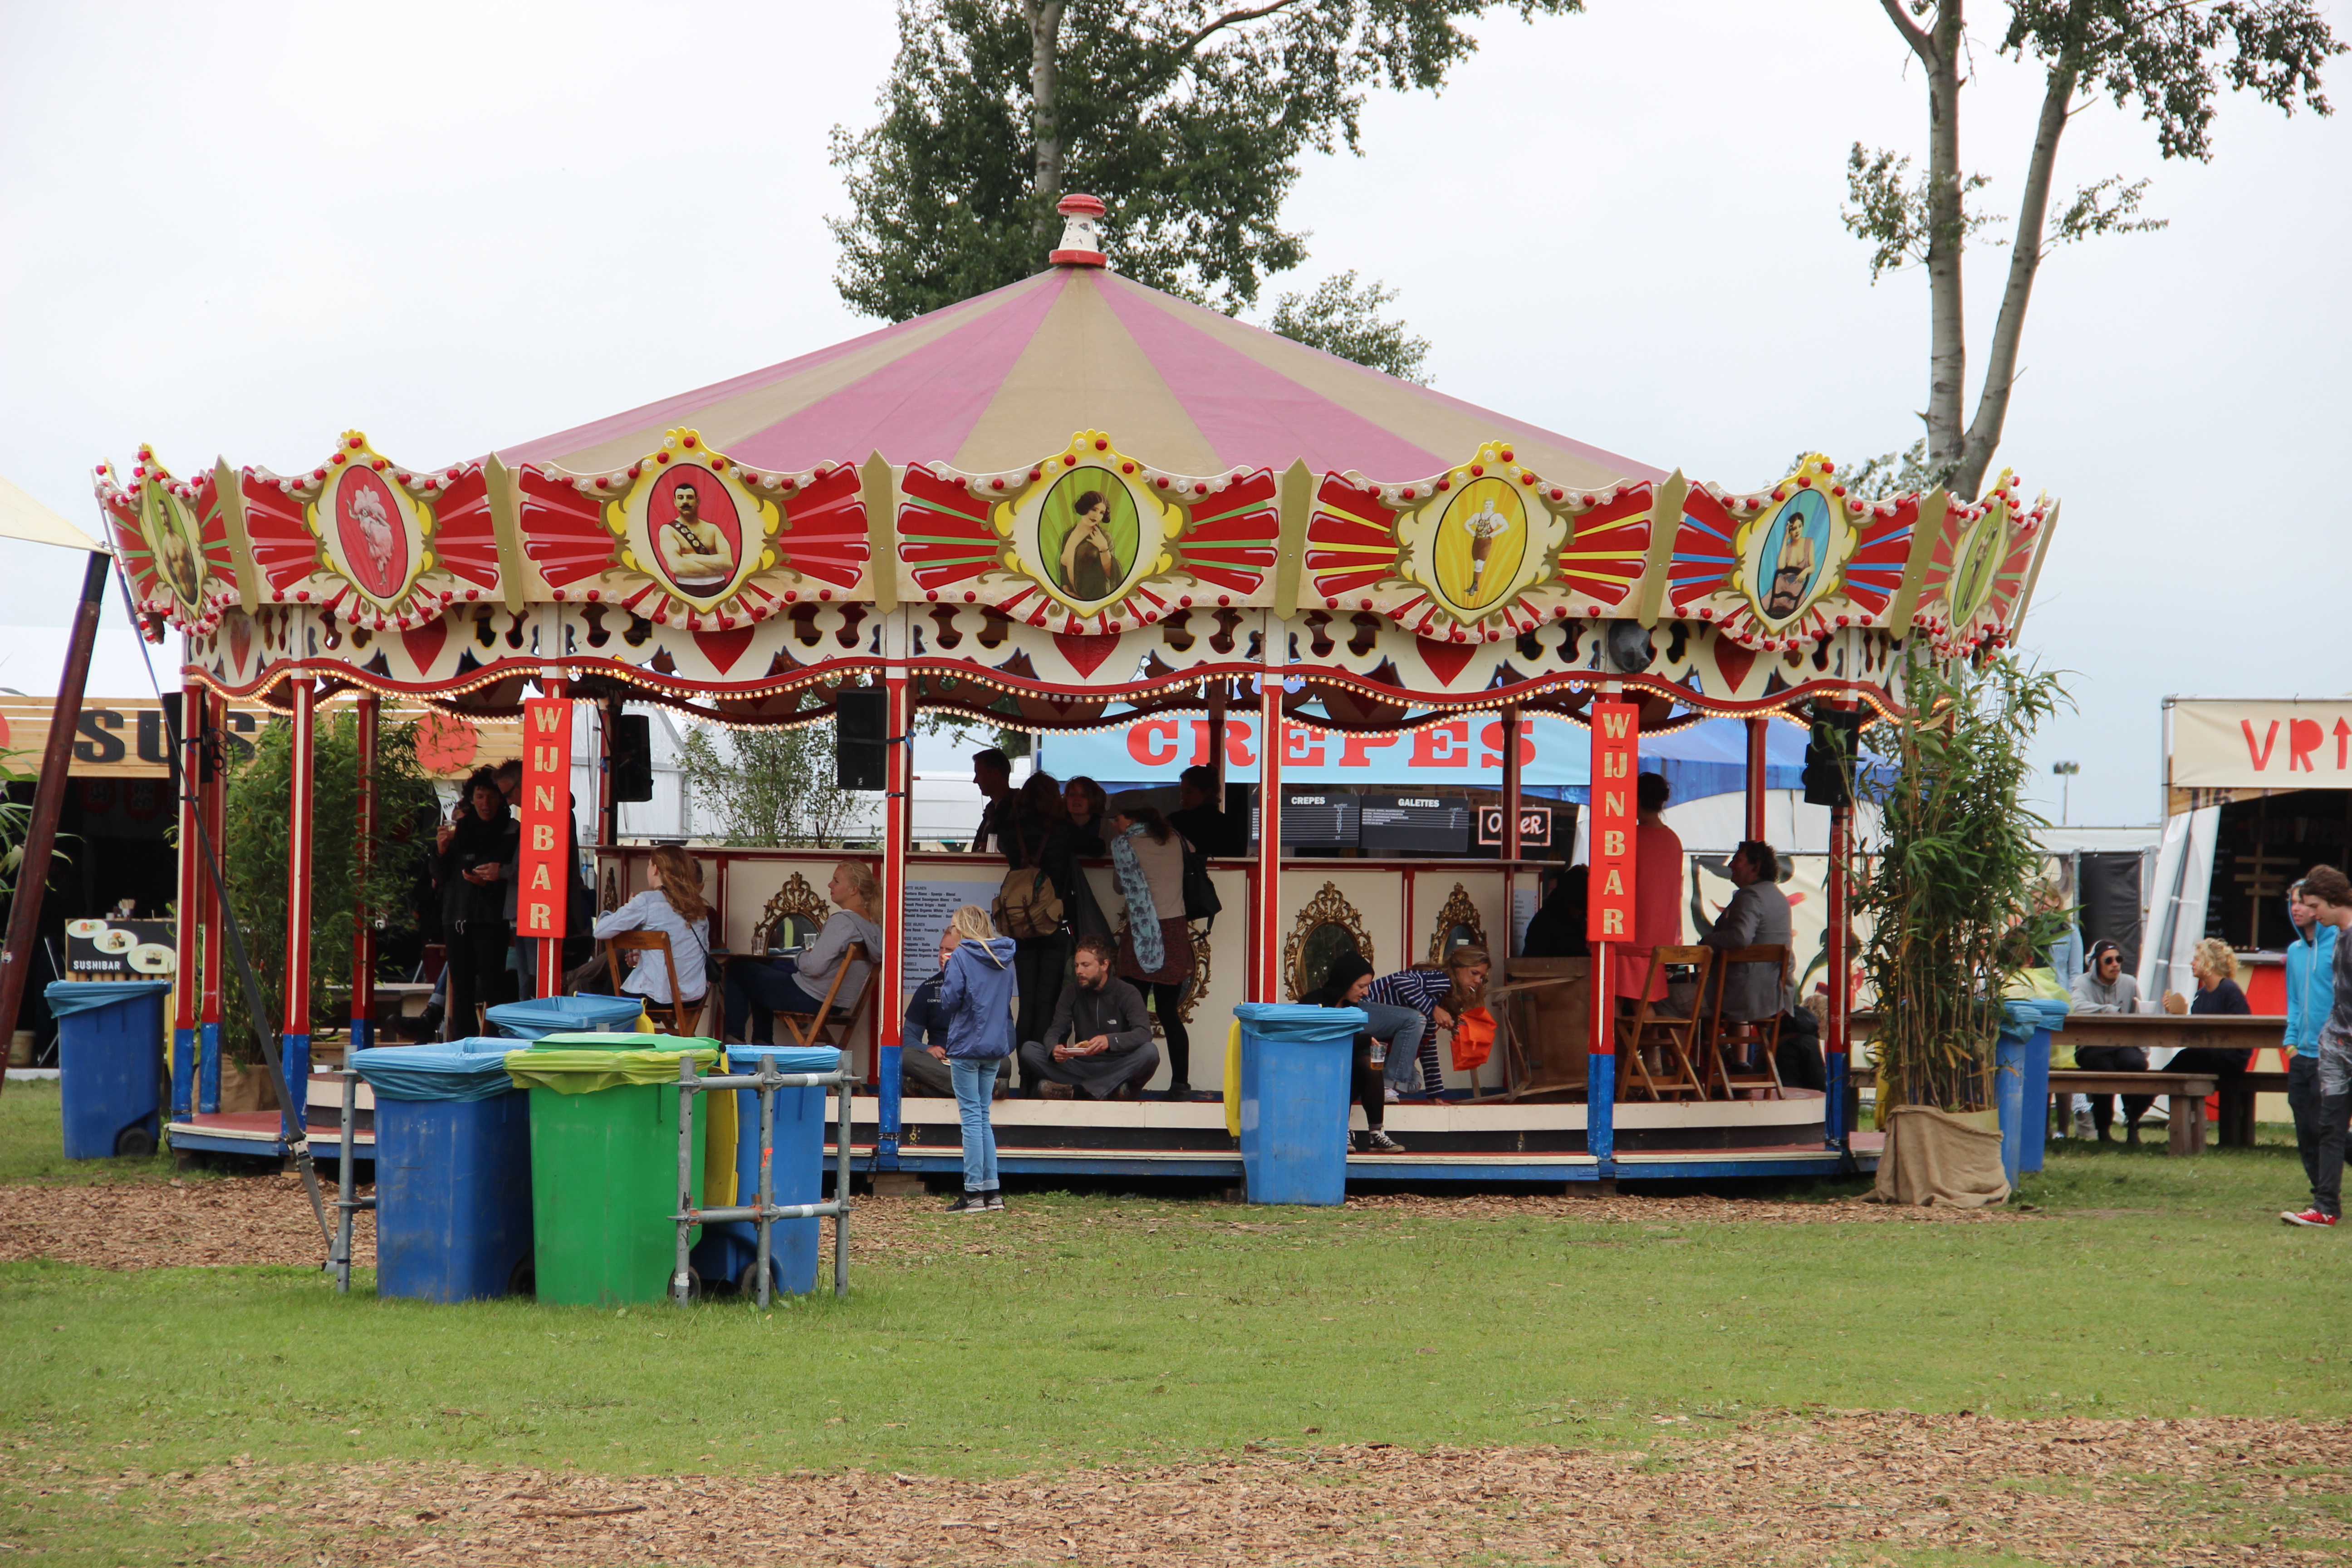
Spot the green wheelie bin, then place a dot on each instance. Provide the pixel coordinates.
(604, 1163)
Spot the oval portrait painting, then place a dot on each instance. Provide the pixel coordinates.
(371, 534)
(696, 534)
(1086, 533)
(1481, 540)
(1787, 571)
(178, 551)
(1978, 564)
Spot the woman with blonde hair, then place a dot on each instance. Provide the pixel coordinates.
(2215, 964)
(672, 905)
(758, 989)
(976, 1000)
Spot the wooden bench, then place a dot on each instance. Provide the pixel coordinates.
(2187, 1092)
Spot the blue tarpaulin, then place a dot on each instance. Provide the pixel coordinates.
(788, 1058)
(433, 1072)
(1300, 1023)
(67, 997)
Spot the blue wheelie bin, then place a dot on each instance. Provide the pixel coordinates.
(110, 1065)
(731, 1250)
(452, 1171)
(566, 1014)
(1295, 1063)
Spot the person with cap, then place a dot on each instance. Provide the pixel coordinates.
(1347, 984)
(2106, 988)
(1155, 951)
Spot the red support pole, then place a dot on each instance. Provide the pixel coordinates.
(1837, 1042)
(211, 794)
(1267, 982)
(1512, 848)
(188, 931)
(898, 832)
(363, 1032)
(1756, 738)
(301, 824)
(50, 799)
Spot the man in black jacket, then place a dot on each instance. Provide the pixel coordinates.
(1100, 1038)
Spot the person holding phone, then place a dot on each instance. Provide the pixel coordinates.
(474, 854)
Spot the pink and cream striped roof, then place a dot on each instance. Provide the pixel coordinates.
(1001, 380)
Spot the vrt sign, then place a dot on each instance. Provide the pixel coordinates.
(2220, 743)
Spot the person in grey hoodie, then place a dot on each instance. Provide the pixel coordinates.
(758, 990)
(2106, 988)
(976, 999)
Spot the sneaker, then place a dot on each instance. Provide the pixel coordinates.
(1389, 1095)
(2083, 1128)
(969, 1202)
(1179, 1092)
(2308, 1217)
(1052, 1090)
(993, 1203)
(1382, 1143)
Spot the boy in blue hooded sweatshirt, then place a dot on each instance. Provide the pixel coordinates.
(976, 1000)
(2310, 998)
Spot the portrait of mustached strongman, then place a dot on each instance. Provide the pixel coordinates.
(692, 547)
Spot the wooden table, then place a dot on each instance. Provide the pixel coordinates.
(2184, 1125)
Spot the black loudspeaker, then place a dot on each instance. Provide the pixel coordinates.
(861, 736)
(1829, 754)
(633, 757)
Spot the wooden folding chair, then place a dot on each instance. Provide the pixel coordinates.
(1649, 1029)
(672, 1018)
(1766, 1032)
(834, 1025)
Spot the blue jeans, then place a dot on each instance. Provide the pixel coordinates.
(1402, 1028)
(975, 1083)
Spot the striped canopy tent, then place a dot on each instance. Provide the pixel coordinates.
(993, 382)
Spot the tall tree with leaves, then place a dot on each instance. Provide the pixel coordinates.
(2167, 57)
(1188, 118)
(769, 787)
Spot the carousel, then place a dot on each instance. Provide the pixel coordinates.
(1066, 505)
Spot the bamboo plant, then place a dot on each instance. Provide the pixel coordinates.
(1945, 893)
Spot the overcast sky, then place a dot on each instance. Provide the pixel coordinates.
(238, 229)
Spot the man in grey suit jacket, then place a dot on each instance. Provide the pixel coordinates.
(1757, 916)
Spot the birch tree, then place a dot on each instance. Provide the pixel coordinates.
(2168, 58)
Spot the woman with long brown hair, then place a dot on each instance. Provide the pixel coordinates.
(672, 905)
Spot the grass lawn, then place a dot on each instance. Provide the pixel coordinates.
(30, 1150)
(1077, 1331)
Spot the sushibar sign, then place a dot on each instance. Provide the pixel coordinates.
(2218, 744)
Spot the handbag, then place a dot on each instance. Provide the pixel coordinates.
(1027, 904)
(1474, 1039)
(1201, 900)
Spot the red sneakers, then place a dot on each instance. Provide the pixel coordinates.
(2308, 1217)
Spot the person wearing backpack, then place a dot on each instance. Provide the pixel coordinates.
(1155, 948)
(1043, 893)
(976, 1000)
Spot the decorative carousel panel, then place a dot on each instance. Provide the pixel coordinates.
(1013, 656)
(364, 541)
(1485, 548)
(1372, 675)
(173, 544)
(1977, 573)
(1089, 541)
(1790, 564)
(686, 534)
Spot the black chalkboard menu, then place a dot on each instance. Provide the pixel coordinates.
(1315, 819)
(1427, 824)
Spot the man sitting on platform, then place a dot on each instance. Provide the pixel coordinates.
(1100, 1038)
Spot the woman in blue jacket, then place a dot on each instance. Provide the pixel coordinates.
(976, 1000)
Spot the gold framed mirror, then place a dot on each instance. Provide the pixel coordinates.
(1327, 927)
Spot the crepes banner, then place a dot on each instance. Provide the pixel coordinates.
(2218, 744)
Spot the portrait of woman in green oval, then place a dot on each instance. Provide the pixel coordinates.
(1086, 535)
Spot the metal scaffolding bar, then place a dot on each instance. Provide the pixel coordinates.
(766, 1211)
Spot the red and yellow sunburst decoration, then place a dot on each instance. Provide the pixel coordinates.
(1784, 566)
(1486, 550)
(173, 543)
(1089, 541)
(686, 536)
(1979, 569)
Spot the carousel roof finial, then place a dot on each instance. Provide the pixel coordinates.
(1082, 234)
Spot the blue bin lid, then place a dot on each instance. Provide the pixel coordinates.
(1300, 1023)
(433, 1072)
(549, 1015)
(69, 996)
(788, 1058)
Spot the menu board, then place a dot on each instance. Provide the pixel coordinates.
(1429, 824)
(929, 906)
(121, 949)
(1315, 819)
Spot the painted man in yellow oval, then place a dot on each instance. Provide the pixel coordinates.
(693, 548)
